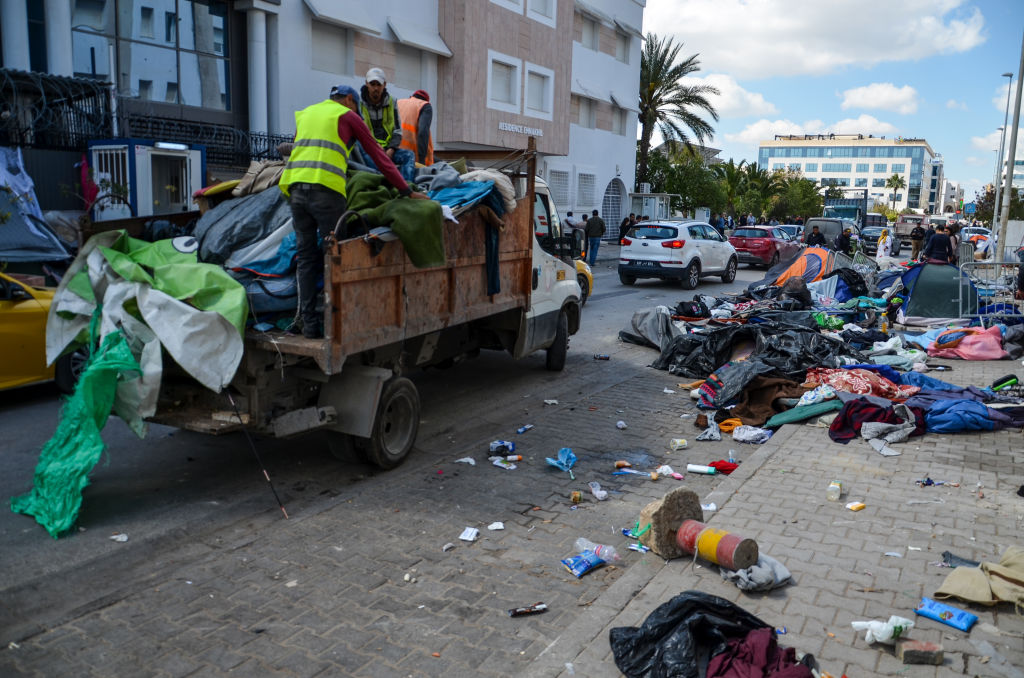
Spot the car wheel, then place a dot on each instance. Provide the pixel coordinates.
(691, 276)
(626, 279)
(68, 369)
(730, 271)
(584, 289)
(775, 260)
(559, 348)
(396, 425)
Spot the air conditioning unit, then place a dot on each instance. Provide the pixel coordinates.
(141, 178)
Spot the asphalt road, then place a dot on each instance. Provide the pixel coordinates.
(174, 491)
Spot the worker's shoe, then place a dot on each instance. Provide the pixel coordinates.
(313, 330)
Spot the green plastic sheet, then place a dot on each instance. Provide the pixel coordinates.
(804, 412)
(67, 458)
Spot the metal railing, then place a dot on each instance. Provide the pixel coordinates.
(226, 146)
(991, 291)
(44, 111)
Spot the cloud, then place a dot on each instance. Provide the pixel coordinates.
(882, 95)
(990, 142)
(999, 100)
(734, 101)
(764, 129)
(974, 161)
(768, 38)
(954, 104)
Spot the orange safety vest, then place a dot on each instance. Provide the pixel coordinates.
(409, 113)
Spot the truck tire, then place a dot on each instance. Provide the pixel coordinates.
(584, 289)
(560, 346)
(395, 426)
(341, 446)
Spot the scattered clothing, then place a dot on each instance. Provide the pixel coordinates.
(765, 575)
(860, 381)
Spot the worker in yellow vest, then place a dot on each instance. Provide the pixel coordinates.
(314, 181)
(381, 115)
(416, 114)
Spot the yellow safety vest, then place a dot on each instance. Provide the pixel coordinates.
(409, 113)
(319, 155)
(388, 120)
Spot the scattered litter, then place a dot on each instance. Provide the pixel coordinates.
(551, 402)
(665, 470)
(946, 614)
(711, 432)
(893, 554)
(469, 534)
(447, 547)
(699, 468)
(937, 500)
(653, 475)
(856, 505)
(292, 584)
(566, 460)
(781, 631)
(677, 444)
(751, 434)
(536, 608)
(466, 460)
(569, 669)
(580, 564)
(435, 654)
(709, 507)
(887, 632)
(13, 645)
(602, 356)
(575, 497)
(621, 463)
(502, 447)
(913, 548)
(119, 537)
(595, 489)
(407, 577)
(639, 547)
(502, 462)
(635, 532)
(524, 428)
(620, 425)
(668, 390)
(951, 560)
(497, 525)
(928, 482)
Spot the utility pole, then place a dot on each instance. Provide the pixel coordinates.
(1008, 185)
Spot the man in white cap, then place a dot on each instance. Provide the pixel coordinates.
(380, 112)
(315, 181)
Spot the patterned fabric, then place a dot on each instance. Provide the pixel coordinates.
(860, 381)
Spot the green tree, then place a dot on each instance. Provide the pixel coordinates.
(832, 191)
(985, 202)
(732, 178)
(696, 186)
(895, 183)
(765, 186)
(799, 197)
(666, 104)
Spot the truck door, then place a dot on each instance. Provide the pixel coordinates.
(553, 280)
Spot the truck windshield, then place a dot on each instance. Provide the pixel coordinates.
(842, 212)
(545, 218)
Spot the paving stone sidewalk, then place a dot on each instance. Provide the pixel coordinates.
(838, 557)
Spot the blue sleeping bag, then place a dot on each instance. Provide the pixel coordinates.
(956, 416)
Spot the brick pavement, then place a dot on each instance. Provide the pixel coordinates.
(326, 593)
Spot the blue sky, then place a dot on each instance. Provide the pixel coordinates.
(912, 68)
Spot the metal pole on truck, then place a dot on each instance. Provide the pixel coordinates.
(1004, 213)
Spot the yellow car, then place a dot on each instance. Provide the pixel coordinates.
(586, 280)
(23, 311)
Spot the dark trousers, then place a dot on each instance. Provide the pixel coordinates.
(315, 213)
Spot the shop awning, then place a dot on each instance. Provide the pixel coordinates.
(408, 33)
(346, 13)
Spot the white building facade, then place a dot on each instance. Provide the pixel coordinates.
(497, 71)
(855, 162)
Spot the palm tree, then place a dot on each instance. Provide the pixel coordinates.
(665, 102)
(895, 183)
(766, 184)
(733, 178)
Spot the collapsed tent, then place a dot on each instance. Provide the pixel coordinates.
(24, 235)
(936, 293)
(811, 264)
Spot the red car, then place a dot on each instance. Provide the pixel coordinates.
(763, 245)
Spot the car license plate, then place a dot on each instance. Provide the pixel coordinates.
(644, 263)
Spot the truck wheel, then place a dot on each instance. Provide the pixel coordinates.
(584, 289)
(560, 347)
(396, 424)
(341, 445)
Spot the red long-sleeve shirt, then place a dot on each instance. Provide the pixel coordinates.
(351, 128)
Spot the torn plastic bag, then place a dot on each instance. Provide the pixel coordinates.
(652, 327)
(680, 637)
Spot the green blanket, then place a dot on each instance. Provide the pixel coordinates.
(417, 223)
(804, 412)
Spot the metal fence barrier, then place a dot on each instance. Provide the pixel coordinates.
(992, 291)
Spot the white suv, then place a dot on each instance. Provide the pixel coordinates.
(676, 250)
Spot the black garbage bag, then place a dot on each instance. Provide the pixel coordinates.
(679, 638)
(854, 281)
(650, 327)
(796, 289)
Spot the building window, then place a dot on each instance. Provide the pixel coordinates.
(778, 165)
(543, 11)
(899, 197)
(558, 184)
(170, 28)
(934, 185)
(503, 82)
(881, 167)
(591, 34)
(878, 183)
(862, 167)
(146, 89)
(513, 5)
(811, 167)
(146, 22)
(540, 91)
(408, 67)
(330, 48)
(794, 166)
(835, 167)
(860, 183)
(899, 168)
(622, 47)
(587, 117)
(931, 196)
(620, 120)
(171, 93)
(585, 184)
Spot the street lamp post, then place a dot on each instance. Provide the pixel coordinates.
(999, 163)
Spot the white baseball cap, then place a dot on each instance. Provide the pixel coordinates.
(376, 74)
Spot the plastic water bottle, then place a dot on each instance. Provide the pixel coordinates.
(834, 491)
(602, 551)
(732, 456)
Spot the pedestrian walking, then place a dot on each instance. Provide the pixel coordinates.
(595, 229)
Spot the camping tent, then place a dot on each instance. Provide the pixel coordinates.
(25, 237)
(936, 293)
